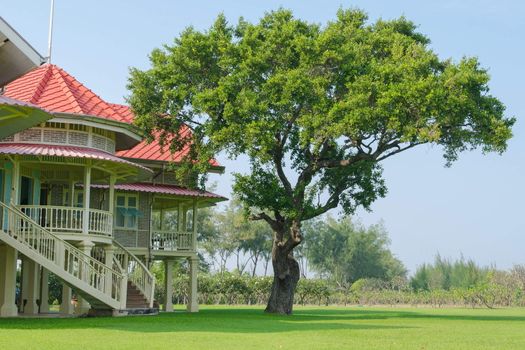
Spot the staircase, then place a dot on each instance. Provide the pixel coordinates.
(103, 287)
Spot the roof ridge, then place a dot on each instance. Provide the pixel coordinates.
(42, 84)
(67, 91)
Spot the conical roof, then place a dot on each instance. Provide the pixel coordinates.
(52, 88)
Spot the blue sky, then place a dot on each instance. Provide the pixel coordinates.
(474, 208)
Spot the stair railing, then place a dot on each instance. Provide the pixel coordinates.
(62, 254)
(137, 272)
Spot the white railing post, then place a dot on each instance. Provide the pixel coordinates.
(87, 195)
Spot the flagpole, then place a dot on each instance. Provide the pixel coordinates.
(50, 35)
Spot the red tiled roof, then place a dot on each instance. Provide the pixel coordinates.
(164, 189)
(53, 89)
(63, 151)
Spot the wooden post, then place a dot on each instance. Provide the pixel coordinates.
(7, 281)
(193, 303)
(32, 293)
(44, 291)
(168, 285)
(194, 227)
(86, 204)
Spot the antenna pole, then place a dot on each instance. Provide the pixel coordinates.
(50, 35)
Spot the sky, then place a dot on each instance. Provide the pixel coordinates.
(474, 209)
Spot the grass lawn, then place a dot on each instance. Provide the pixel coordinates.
(249, 328)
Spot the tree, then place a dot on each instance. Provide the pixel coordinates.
(315, 110)
(347, 252)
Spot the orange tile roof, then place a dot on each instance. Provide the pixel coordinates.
(52, 88)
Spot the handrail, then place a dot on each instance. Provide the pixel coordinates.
(62, 254)
(172, 240)
(137, 272)
(69, 219)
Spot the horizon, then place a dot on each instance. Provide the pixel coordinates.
(429, 209)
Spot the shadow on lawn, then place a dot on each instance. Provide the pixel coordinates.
(249, 320)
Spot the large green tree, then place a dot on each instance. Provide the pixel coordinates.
(314, 110)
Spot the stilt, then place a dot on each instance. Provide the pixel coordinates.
(32, 292)
(168, 285)
(193, 302)
(66, 307)
(8, 281)
(44, 291)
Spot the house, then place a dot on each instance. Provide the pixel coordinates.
(85, 198)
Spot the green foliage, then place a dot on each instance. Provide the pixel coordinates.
(444, 274)
(347, 252)
(325, 104)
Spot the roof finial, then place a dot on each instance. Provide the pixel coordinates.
(50, 36)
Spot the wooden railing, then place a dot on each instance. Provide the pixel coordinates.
(137, 272)
(59, 219)
(171, 240)
(63, 259)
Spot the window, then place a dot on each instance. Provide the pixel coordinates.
(126, 212)
(79, 198)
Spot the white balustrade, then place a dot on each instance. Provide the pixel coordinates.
(136, 271)
(59, 256)
(61, 219)
(171, 240)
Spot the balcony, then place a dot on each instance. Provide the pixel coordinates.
(64, 220)
(171, 241)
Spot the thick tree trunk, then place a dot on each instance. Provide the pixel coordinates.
(286, 276)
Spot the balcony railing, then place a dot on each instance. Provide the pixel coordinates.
(59, 219)
(171, 240)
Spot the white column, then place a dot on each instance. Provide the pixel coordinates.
(111, 204)
(168, 285)
(87, 195)
(15, 184)
(194, 226)
(66, 307)
(24, 283)
(7, 281)
(82, 304)
(108, 283)
(193, 303)
(44, 291)
(32, 293)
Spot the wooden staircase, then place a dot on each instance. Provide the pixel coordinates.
(108, 290)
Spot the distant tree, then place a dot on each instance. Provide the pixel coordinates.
(444, 274)
(315, 110)
(348, 252)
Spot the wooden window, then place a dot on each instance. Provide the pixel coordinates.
(126, 211)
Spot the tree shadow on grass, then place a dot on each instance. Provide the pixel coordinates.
(223, 320)
(247, 320)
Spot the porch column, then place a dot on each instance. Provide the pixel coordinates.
(82, 305)
(180, 228)
(15, 183)
(193, 302)
(194, 227)
(32, 292)
(87, 195)
(108, 283)
(66, 307)
(111, 203)
(44, 291)
(7, 189)
(7, 281)
(37, 185)
(168, 285)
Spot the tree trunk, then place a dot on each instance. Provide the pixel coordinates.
(286, 276)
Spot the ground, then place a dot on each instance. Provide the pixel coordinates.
(249, 328)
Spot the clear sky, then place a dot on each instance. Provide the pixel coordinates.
(474, 208)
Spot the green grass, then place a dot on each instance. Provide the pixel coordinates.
(249, 328)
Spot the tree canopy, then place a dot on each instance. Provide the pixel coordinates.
(315, 109)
